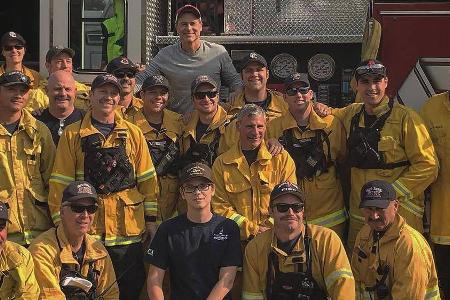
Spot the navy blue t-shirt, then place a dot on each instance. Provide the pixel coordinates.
(194, 254)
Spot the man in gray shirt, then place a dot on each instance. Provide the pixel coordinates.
(182, 62)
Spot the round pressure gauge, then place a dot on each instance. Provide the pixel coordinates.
(283, 65)
(321, 67)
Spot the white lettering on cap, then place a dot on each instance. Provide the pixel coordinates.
(124, 60)
(12, 34)
(158, 79)
(374, 192)
(84, 188)
(195, 171)
(253, 55)
(296, 76)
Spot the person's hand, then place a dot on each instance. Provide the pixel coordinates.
(149, 233)
(38, 112)
(321, 109)
(274, 146)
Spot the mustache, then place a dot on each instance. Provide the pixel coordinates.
(59, 98)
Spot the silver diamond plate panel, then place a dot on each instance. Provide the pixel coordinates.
(314, 18)
(155, 24)
(238, 16)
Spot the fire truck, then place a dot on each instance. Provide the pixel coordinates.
(324, 38)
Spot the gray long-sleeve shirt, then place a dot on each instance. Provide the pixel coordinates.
(181, 68)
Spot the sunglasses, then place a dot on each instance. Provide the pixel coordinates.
(121, 75)
(284, 207)
(9, 48)
(293, 91)
(202, 95)
(81, 208)
(202, 187)
(371, 69)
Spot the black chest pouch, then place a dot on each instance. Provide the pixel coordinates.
(308, 154)
(204, 153)
(107, 169)
(165, 155)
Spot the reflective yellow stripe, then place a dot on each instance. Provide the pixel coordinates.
(432, 293)
(122, 240)
(24, 238)
(252, 296)
(62, 179)
(441, 240)
(359, 218)
(412, 208)
(331, 279)
(150, 207)
(79, 175)
(237, 218)
(56, 218)
(402, 190)
(330, 220)
(271, 220)
(146, 175)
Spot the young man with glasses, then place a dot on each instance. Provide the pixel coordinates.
(254, 74)
(66, 254)
(388, 141)
(60, 113)
(27, 153)
(390, 260)
(58, 58)
(294, 260)
(125, 70)
(17, 279)
(201, 249)
(13, 50)
(112, 155)
(315, 144)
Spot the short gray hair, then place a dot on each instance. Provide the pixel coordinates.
(250, 110)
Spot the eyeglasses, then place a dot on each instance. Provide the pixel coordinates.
(81, 208)
(121, 75)
(284, 207)
(9, 48)
(371, 69)
(293, 91)
(202, 95)
(202, 187)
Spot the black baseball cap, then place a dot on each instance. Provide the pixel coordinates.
(370, 67)
(121, 63)
(13, 78)
(12, 36)
(295, 78)
(4, 211)
(195, 170)
(188, 9)
(77, 190)
(377, 193)
(103, 79)
(155, 80)
(287, 187)
(253, 57)
(56, 50)
(202, 79)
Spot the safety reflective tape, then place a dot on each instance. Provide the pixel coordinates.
(432, 293)
(24, 238)
(402, 190)
(122, 240)
(252, 296)
(331, 279)
(146, 175)
(237, 218)
(412, 208)
(330, 220)
(150, 206)
(62, 179)
(441, 240)
(79, 175)
(359, 218)
(56, 217)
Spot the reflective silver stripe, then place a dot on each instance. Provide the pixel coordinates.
(331, 279)
(252, 296)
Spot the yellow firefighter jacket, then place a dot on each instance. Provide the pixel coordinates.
(52, 249)
(436, 114)
(26, 160)
(242, 192)
(34, 76)
(120, 217)
(217, 129)
(17, 280)
(330, 266)
(129, 113)
(277, 106)
(404, 137)
(412, 273)
(38, 97)
(171, 128)
(324, 199)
